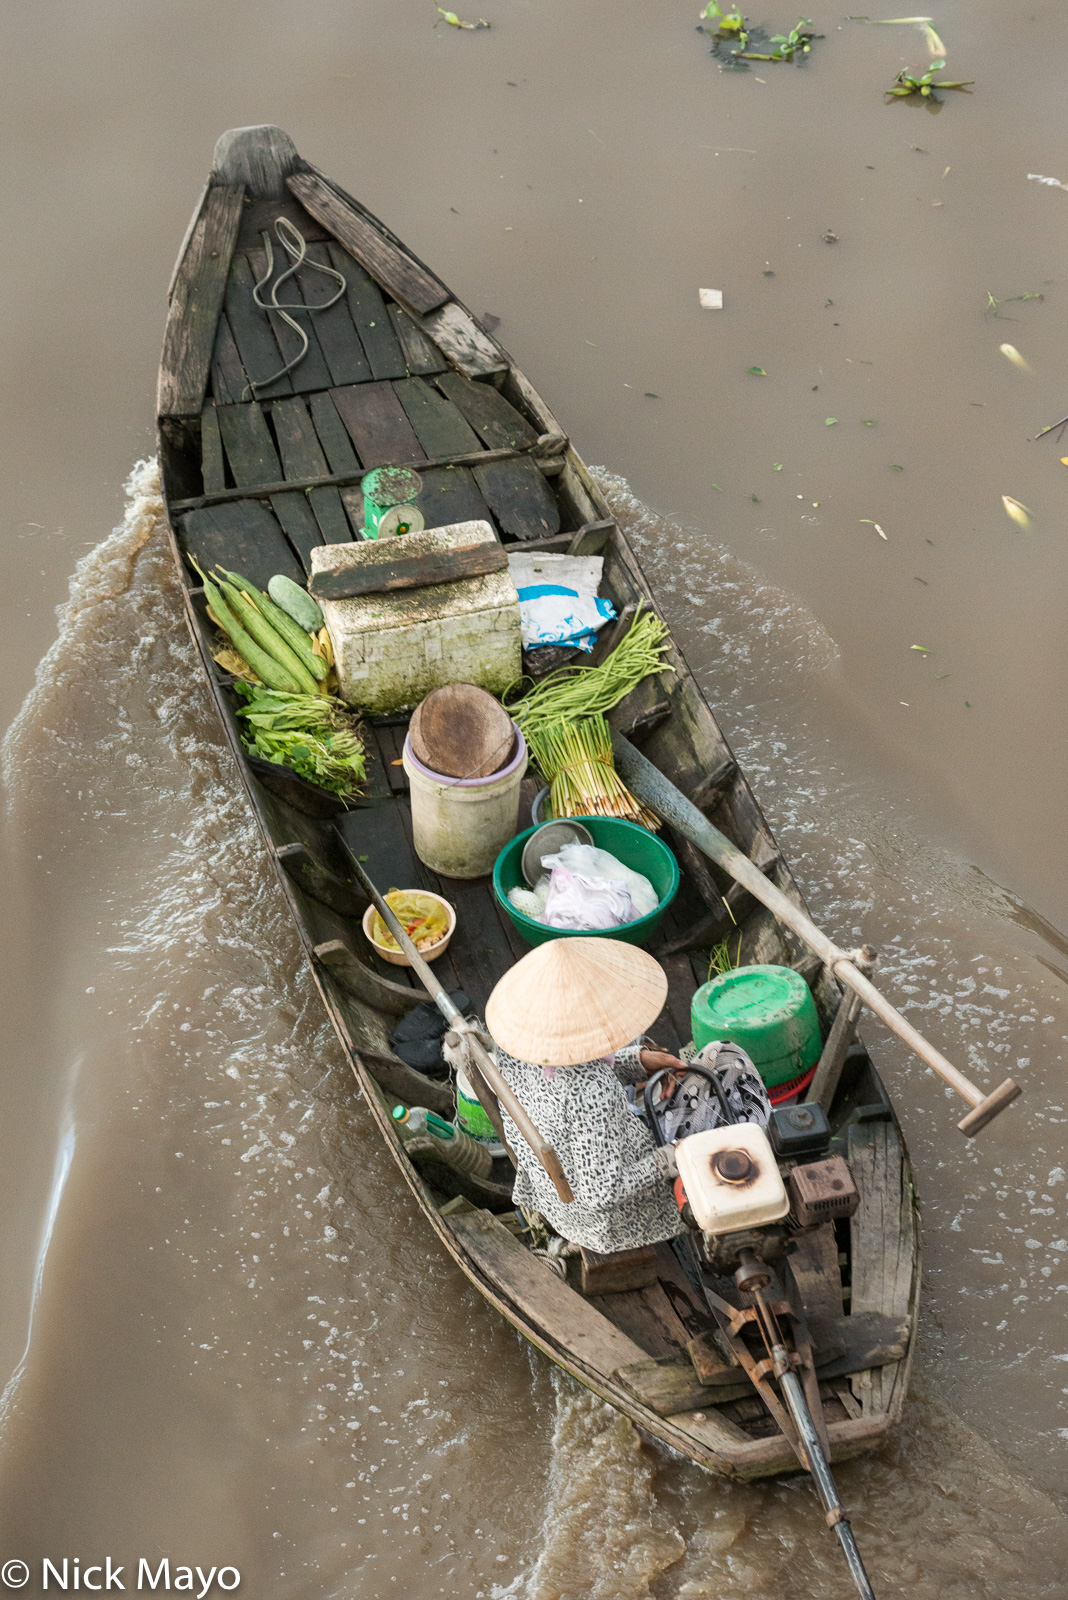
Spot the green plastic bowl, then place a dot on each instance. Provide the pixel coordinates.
(768, 1011)
(636, 847)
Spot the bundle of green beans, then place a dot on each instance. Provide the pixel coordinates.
(276, 648)
(576, 760)
(574, 691)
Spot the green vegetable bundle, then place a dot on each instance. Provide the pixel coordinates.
(574, 691)
(276, 648)
(576, 760)
(314, 735)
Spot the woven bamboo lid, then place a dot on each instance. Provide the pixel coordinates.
(573, 1000)
(461, 731)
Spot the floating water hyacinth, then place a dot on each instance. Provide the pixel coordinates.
(1017, 511)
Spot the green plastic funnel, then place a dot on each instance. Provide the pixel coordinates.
(768, 1011)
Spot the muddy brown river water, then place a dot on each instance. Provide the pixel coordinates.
(225, 1337)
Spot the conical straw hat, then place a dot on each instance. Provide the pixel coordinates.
(572, 1000)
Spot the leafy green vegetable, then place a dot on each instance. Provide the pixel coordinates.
(315, 735)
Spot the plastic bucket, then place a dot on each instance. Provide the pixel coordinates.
(459, 825)
(636, 847)
(471, 1117)
(768, 1011)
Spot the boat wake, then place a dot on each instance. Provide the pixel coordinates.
(292, 1314)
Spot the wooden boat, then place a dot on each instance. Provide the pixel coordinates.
(400, 372)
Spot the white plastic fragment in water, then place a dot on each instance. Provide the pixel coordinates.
(711, 299)
(1054, 183)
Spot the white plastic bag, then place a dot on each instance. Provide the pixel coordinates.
(558, 600)
(590, 862)
(575, 901)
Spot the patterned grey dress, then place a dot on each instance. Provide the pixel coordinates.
(622, 1191)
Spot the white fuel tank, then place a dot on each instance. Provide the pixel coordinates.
(731, 1178)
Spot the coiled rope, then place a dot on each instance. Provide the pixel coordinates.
(295, 245)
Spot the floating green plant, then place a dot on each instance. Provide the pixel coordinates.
(907, 83)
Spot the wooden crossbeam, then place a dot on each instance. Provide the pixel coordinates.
(546, 453)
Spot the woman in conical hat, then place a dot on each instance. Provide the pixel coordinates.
(567, 1022)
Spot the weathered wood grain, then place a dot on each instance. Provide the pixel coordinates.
(456, 465)
(338, 339)
(256, 344)
(816, 1274)
(422, 357)
(330, 514)
(362, 981)
(540, 1295)
(619, 1271)
(882, 1242)
(450, 494)
(346, 898)
(298, 444)
(377, 424)
(439, 425)
(519, 497)
(495, 421)
(410, 572)
(311, 371)
(229, 383)
(405, 279)
(459, 337)
(249, 447)
(242, 536)
(333, 435)
(298, 521)
(669, 1385)
(199, 288)
(370, 318)
(212, 464)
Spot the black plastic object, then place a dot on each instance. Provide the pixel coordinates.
(801, 1130)
(417, 1036)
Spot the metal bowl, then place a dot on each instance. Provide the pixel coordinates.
(549, 838)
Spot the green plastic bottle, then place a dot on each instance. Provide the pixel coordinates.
(768, 1011)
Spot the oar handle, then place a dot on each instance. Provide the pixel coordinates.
(486, 1064)
(985, 1107)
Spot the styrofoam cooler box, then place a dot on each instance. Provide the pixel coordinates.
(392, 648)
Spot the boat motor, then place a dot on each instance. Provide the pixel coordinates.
(731, 1192)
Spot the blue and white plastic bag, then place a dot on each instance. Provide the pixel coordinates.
(558, 599)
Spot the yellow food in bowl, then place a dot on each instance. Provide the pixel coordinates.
(423, 918)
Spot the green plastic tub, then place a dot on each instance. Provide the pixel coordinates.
(636, 847)
(769, 1012)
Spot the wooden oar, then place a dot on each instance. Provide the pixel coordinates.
(459, 1023)
(649, 784)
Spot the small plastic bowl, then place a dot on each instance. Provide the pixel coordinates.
(397, 958)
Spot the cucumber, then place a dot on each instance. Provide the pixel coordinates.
(282, 623)
(295, 602)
